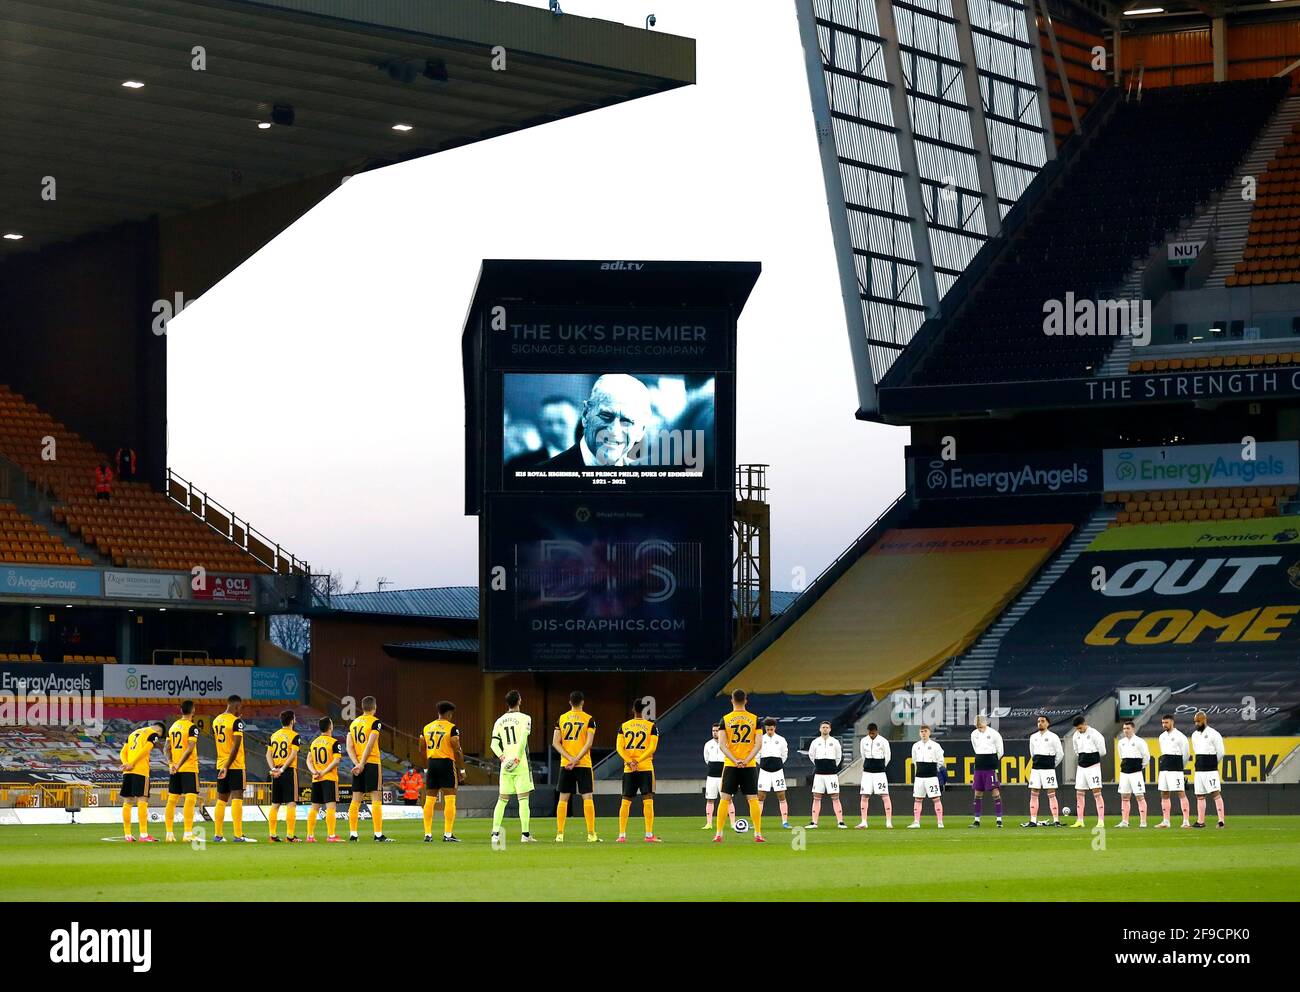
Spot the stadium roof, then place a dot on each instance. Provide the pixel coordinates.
(349, 69)
(447, 603)
(440, 603)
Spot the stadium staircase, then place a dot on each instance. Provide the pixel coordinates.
(971, 670)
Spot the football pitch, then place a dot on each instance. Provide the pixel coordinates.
(1255, 859)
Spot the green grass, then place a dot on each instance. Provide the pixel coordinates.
(1256, 859)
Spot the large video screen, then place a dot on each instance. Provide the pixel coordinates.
(629, 584)
(612, 432)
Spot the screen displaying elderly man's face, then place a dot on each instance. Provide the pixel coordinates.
(615, 417)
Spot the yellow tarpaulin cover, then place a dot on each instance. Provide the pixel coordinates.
(916, 599)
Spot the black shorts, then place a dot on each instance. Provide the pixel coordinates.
(739, 780)
(642, 783)
(232, 783)
(441, 774)
(323, 793)
(284, 789)
(135, 786)
(183, 784)
(575, 780)
(368, 780)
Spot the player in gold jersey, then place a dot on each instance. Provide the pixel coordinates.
(228, 730)
(134, 756)
(446, 770)
(183, 765)
(282, 760)
(323, 758)
(363, 749)
(574, 735)
(638, 739)
(738, 739)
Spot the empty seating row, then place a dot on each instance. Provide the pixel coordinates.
(1175, 516)
(1263, 360)
(1278, 493)
(25, 542)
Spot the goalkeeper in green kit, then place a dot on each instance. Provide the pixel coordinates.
(510, 745)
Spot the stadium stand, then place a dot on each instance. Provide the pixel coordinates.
(851, 640)
(136, 528)
(1092, 224)
(1177, 505)
(23, 541)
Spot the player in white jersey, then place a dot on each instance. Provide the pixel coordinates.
(1089, 749)
(987, 743)
(772, 754)
(510, 745)
(1170, 768)
(927, 756)
(1207, 752)
(713, 759)
(875, 780)
(1134, 756)
(1045, 755)
(826, 755)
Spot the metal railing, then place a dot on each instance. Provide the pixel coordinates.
(233, 528)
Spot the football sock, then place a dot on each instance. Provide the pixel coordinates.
(448, 813)
(1187, 807)
(354, 813)
(785, 810)
(756, 814)
(816, 808)
(219, 818)
(839, 809)
(1033, 806)
(731, 810)
(1080, 804)
(331, 817)
(938, 811)
(311, 822)
(291, 819)
(724, 807)
(187, 814)
(916, 811)
(978, 804)
(524, 813)
(1166, 807)
(273, 819)
(1142, 809)
(561, 814)
(889, 807)
(1218, 805)
(429, 802)
(589, 813)
(1100, 802)
(708, 811)
(1055, 806)
(1200, 810)
(142, 814)
(862, 807)
(624, 809)
(1123, 808)
(237, 816)
(997, 807)
(498, 814)
(377, 816)
(126, 818)
(648, 812)
(169, 813)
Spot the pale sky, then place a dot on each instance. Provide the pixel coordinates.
(317, 391)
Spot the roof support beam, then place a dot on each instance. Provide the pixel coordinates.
(850, 288)
(1040, 80)
(978, 126)
(907, 158)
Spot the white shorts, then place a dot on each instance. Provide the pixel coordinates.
(874, 784)
(826, 785)
(926, 788)
(1042, 778)
(1171, 782)
(1205, 783)
(1132, 784)
(1087, 779)
(712, 787)
(771, 781)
